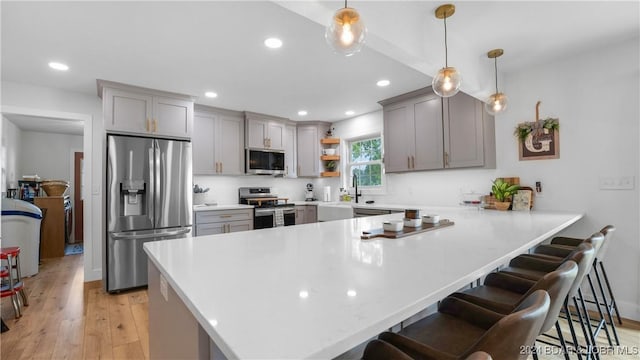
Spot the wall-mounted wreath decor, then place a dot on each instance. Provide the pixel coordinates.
(538, 139)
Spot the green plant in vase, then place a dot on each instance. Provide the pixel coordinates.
(502, 191)
(330, 165)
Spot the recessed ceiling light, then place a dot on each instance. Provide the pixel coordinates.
(273, 43)
(383, 83)
(211, 94)
(350, 112)
(58, 66)
(302, 112)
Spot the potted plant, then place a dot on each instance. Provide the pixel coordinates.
(330, 165)
(502, 191)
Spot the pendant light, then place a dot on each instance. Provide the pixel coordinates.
(346, 33)
(447, 82)
(497, 102)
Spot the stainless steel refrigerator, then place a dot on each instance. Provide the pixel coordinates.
(149, 198)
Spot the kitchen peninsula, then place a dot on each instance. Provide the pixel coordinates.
(318, 290)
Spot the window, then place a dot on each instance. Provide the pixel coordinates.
(365, 161)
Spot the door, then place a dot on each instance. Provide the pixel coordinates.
(429, 152)
(276, 136)
(308, 151)
(204, 162)
(290, 152)
(398, 141)
(173, 181)
(125, 111)
(129, 186)
(172, 117)
(256, 134)
(78, 170)
(229, 146)
(464, 136)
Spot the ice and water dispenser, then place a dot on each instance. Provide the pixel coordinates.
(133, 193)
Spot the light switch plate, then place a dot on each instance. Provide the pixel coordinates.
(164, 288)
(617, 182)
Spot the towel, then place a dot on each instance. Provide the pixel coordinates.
(279, 217)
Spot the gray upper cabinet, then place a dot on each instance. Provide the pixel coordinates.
(265, 132)
(463, 133)
(413, 135)
(130, 109)
(309, 136)
(290, 153)
(424, 132)
(218, 142)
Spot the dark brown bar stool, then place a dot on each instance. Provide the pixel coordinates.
(382, 350)
(535, 267)
(460, 328)
(502, 293)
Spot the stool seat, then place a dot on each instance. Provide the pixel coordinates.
(5, 290)
(9, 251)
(4, 272)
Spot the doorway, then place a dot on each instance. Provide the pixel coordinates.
(78, 175)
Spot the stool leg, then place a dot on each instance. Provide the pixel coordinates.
(602, 323)
(23, 294)
(574, 337)
(613, 299)
(606, 304)
(14, 295)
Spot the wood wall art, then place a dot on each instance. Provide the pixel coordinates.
(539, 139)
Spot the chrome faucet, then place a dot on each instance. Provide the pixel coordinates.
(355, 185)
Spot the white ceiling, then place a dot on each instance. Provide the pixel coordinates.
(192, 47)
(47, 125)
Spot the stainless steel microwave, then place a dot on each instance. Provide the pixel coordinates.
(265, 162)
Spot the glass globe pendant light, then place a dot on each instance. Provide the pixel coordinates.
(346, 33)
(498, 101)
(447, 82)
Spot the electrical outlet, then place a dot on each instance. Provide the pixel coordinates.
(539, 192)
(164, 288)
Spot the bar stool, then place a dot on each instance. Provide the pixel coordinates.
(560, 247)
(14, 286)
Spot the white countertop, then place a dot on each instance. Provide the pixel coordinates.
(317, 290)
(221, 207)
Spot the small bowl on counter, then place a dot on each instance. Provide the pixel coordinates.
(412, 222)
(431, 219)
(393, 225)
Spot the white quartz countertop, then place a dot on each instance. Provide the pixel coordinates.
(221, 207)
(317, 290)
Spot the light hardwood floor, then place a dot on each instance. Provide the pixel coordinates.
(70, 319)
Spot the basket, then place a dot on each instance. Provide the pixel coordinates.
(54, 187)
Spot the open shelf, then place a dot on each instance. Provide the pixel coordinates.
(330, 157)
(329, 141)
(330, 174)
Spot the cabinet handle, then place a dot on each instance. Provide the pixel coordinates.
(216, 166)
(409, 162)
(298, 170)
(413, 162)
(148, 125)
(221, 167)
(286, 170)
(225, 216)
(446, 159)
(155, 125)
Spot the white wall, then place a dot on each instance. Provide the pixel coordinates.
(55, 103)
(11, 170)
(596, 97)
(47, 154)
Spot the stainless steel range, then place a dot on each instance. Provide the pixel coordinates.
(270, 210)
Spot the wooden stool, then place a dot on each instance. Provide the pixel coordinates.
(15, 285)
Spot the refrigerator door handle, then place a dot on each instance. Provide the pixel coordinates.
(158, 185)
(128, 235)
(152, 184)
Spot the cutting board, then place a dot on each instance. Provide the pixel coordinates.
(406, 231)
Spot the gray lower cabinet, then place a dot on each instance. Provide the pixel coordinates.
(218, 142)
(306, 214)
(425, 132)
(212, 222)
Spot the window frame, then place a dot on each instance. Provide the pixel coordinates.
(348, 165)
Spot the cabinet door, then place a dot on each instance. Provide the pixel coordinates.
(172, 117)
(310, 214)
(204, 162)
(229, 145)
(290, 156)
(276, 136)
(126, 111)
(308, 151)
(240, 226)
(210, 229)
(398, 140)
(463, 132)
(428, 134)
(300, 214)
(256, 134)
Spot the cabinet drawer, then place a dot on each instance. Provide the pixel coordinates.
(223, 227)
(216, 216)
